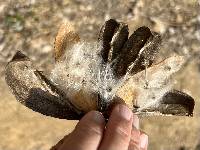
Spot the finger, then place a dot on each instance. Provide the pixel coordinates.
(135, 135)
(60, 143)
(136, 122)
(143, 141)
(87, 134)
(134, 143)
(118, 129)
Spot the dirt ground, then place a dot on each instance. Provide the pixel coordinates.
(31, 26)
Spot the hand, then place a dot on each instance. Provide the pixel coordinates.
(92, 133)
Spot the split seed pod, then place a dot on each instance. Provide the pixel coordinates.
(118, 69)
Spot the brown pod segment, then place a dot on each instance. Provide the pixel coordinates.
(105, 37)
(148, 53)
(120, 36)
(174, 103)
(177, 102)
(131, 50)
(65, 39)
(34, 90)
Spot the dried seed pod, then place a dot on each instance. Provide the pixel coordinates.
(83, 99)
(131, 50)
(120, 36)
(176, 103)
(35, 91)
(112, 36)
(105, 37)
(105, 84)
(154, 98)
(147, 54)
(65, 39)
(172, 103)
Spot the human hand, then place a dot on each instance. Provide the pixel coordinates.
(92, 133)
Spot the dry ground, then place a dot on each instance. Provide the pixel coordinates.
(31, 25)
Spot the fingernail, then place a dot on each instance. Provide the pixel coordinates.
(124, 112)
(143, 141)
(97, 117)
(135, 121)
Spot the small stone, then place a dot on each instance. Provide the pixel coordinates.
(47, 48)
(2, 8)
(1, 35)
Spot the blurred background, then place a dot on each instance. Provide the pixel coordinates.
(31, 26)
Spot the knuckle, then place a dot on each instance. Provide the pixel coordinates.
(122, 132)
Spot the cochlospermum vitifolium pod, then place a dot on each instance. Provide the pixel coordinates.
(97, 75)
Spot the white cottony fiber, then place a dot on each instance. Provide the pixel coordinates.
(82, 68)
